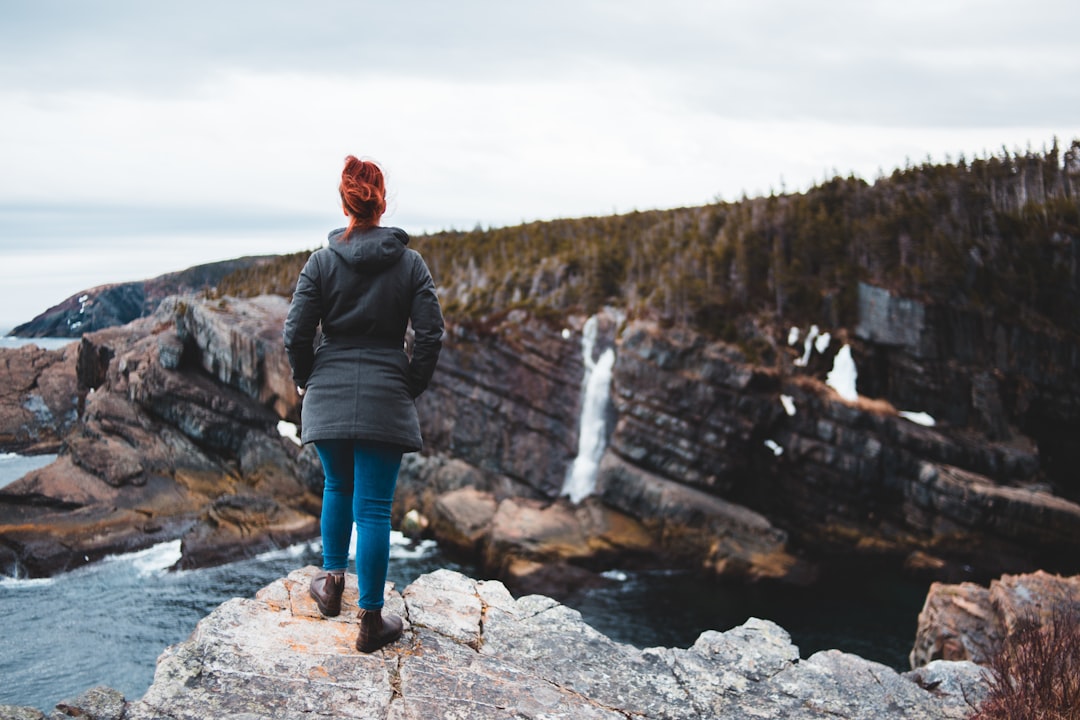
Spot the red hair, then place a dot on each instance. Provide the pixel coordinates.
(363, 194)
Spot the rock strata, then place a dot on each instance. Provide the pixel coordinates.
(724, 465)
(505, 399)
(471, 650)
(835, 476)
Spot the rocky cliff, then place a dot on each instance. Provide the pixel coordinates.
(757, 467)
(38, 397)
(169, 431)
(167, 427)
(472, 650)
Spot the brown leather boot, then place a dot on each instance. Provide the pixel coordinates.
(377, 630)
(326, 588)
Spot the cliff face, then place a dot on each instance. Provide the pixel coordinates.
(732, 463)
(741, 468)
(851, 475)
(1010, 383)
(505, 400)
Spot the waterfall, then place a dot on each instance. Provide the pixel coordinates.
(592, 432)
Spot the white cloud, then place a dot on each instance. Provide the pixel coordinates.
(221, 119)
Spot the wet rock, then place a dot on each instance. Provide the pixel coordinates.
(471, 650)
(695, 527)
(236, 526)
(462, 520)
(61, 517)
(590, 535)
(535, 545)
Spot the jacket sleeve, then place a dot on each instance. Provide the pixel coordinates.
(305, 312)
(427, 323)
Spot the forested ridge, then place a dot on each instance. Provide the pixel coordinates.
(998, 234)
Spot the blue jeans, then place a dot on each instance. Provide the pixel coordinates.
(360, 481)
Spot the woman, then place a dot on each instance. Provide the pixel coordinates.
(359, 385)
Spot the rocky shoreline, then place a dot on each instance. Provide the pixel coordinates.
(168, 427)
(472, 650)
(155, 448)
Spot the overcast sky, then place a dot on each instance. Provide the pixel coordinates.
(143, 137)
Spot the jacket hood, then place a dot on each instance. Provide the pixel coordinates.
(370, 250)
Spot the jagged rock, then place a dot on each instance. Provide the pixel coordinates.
(159, 453)
(239, 343)
(192, 395)
(38, 397)
(969, 622)
(838, 476)
(98, 703)
(471, 650)
(237, 526)
(698, 528)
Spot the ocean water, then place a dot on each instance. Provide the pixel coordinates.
(43, 343)
(13, 466)
(869, 612)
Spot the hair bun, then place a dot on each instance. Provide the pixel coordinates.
(363, 193)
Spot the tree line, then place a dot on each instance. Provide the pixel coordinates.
(997, 234)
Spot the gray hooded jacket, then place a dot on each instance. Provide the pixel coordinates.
(359, 382)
